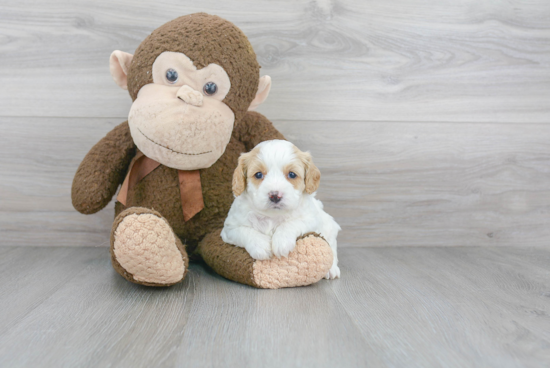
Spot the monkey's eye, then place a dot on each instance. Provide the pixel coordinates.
(292, 175)
(171, 76)
(258, 175)
(210, 88)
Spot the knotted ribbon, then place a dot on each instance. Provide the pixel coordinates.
(189, 183)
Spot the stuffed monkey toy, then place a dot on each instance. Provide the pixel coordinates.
(194, 83)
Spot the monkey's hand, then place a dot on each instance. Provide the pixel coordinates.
(103, 170)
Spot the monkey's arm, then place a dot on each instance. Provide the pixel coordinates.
(102, 170)
(255, 128)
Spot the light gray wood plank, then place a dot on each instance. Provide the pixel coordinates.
(396, 60)
(387, 184)
(450, 307)
(38, 159)
(31, 275)
(432, 184)
(301, 327)
(414, 307)
(99, 319)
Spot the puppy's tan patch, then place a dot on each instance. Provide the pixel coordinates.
(312, 173)
(297, 167)
(241, 173)
(255, 166)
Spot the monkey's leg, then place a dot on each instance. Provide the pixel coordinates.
(305, 265)
(145, 250)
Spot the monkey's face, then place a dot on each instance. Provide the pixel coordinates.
(180, 120)
(191, 80)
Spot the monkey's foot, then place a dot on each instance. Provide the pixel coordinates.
(145, 250)
(305, 265)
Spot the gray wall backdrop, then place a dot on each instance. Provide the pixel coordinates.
(429, 120)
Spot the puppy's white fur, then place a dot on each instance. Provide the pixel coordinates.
(271, 212)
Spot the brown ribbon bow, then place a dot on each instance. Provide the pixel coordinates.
(189, 182)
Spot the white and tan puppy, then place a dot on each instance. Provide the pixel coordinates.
(274, 187)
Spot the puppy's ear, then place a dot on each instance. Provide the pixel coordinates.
(313, 175)
(239, 175)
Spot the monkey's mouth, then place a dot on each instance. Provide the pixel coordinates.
(169, 149)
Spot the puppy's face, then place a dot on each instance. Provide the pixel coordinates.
(275, 174)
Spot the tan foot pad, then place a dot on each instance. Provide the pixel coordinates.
(305, 265)
(145, 246)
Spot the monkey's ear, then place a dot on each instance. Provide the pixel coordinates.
(263, 90)
(119, 63)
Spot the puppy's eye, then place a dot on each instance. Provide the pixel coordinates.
(171, 76)
(210, 88)
(258, 175)
(292, 175)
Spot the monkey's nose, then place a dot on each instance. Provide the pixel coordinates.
(275, 197)
(190, 96)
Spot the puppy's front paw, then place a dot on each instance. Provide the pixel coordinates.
(333, 273)
(282, 244)
(260, 248)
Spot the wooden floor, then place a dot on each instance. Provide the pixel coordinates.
(393, 307)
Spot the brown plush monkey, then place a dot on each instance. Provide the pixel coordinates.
(193, 82)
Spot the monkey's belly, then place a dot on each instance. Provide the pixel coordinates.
(160, 191)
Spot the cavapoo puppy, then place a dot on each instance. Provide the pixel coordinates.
(274, 187)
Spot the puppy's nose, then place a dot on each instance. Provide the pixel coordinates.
(275, 197)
